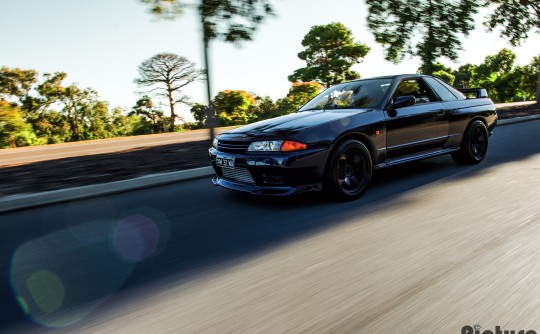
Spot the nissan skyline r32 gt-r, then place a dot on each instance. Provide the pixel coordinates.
(335, 141)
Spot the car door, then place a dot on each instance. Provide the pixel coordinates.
(418, 128)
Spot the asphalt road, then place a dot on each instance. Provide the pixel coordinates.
(430, 248)
(21, 155)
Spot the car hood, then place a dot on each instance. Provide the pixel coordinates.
(284, 126)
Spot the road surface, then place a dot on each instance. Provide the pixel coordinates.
(430, 248)
(22, 155)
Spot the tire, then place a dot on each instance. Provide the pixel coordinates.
(474, 145)
(348, 171)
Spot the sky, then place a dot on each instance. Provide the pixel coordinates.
(100, 44)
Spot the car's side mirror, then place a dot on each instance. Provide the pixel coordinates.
(403, 101)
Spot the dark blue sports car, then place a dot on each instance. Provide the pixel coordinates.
(335, 141)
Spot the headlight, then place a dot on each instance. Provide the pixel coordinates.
(265, 146)
(276, 145)
(215, 143)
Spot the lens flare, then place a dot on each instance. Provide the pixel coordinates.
(135, 238)
(141, 233)
(47, 291)
(60, 278)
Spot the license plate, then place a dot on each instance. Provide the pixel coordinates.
(225, 162)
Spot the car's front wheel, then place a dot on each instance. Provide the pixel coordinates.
(474, 144)
(348, 171)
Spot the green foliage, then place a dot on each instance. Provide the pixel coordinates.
(199, 112)
(233, 107)
(265, 108)
(229, 20)
(144, 107)
(428, 29)
(140, 126)
(27, 137)
(329, 53)
(165, 74)
(16, 82)
(122, 123)
(449, 78)
(49, 112)
(531, 76)
(301, 92)
(463, 76)
(495, 73)
(517, 19)
(77, 104)
(11, 125)
(504, 81)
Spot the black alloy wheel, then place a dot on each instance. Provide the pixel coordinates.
(474, 144)
(348, 171)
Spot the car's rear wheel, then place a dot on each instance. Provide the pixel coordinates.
(474, 144)
(348, 171)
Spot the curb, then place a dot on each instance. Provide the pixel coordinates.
(27, 201)
(515, 120)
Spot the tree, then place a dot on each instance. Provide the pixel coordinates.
(464, 75)
(499, 75)
(124, 124)
(441, 71)
(167, 74)
(77, 104)
(329, 53)
(49, 92)
(233, 106)
(301, 92)
(76, 109)
(517, 19)
(229, 20)
(16, 82)
(199, 114)
(531, 72)
(12, 125)
(428, 29)
(145, 107)
(265, 108)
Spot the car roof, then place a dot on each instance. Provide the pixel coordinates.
(414, 75)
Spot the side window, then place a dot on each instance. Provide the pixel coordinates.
(452, 90)
(443, 93)
(416, 88)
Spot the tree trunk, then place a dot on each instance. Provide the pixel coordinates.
(171, 103)
(12, 142)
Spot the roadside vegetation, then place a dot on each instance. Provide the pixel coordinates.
(37, 109)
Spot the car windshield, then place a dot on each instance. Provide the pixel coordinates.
(356, 94)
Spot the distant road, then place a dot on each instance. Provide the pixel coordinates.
(23, 155)
(514, 104)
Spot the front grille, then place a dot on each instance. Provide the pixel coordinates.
(233, 146)
(237, 174)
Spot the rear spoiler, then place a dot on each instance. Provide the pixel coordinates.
(474, 93)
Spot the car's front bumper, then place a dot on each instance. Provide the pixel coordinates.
(278, 173)
(265, 190)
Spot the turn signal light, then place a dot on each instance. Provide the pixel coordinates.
(290, 145)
